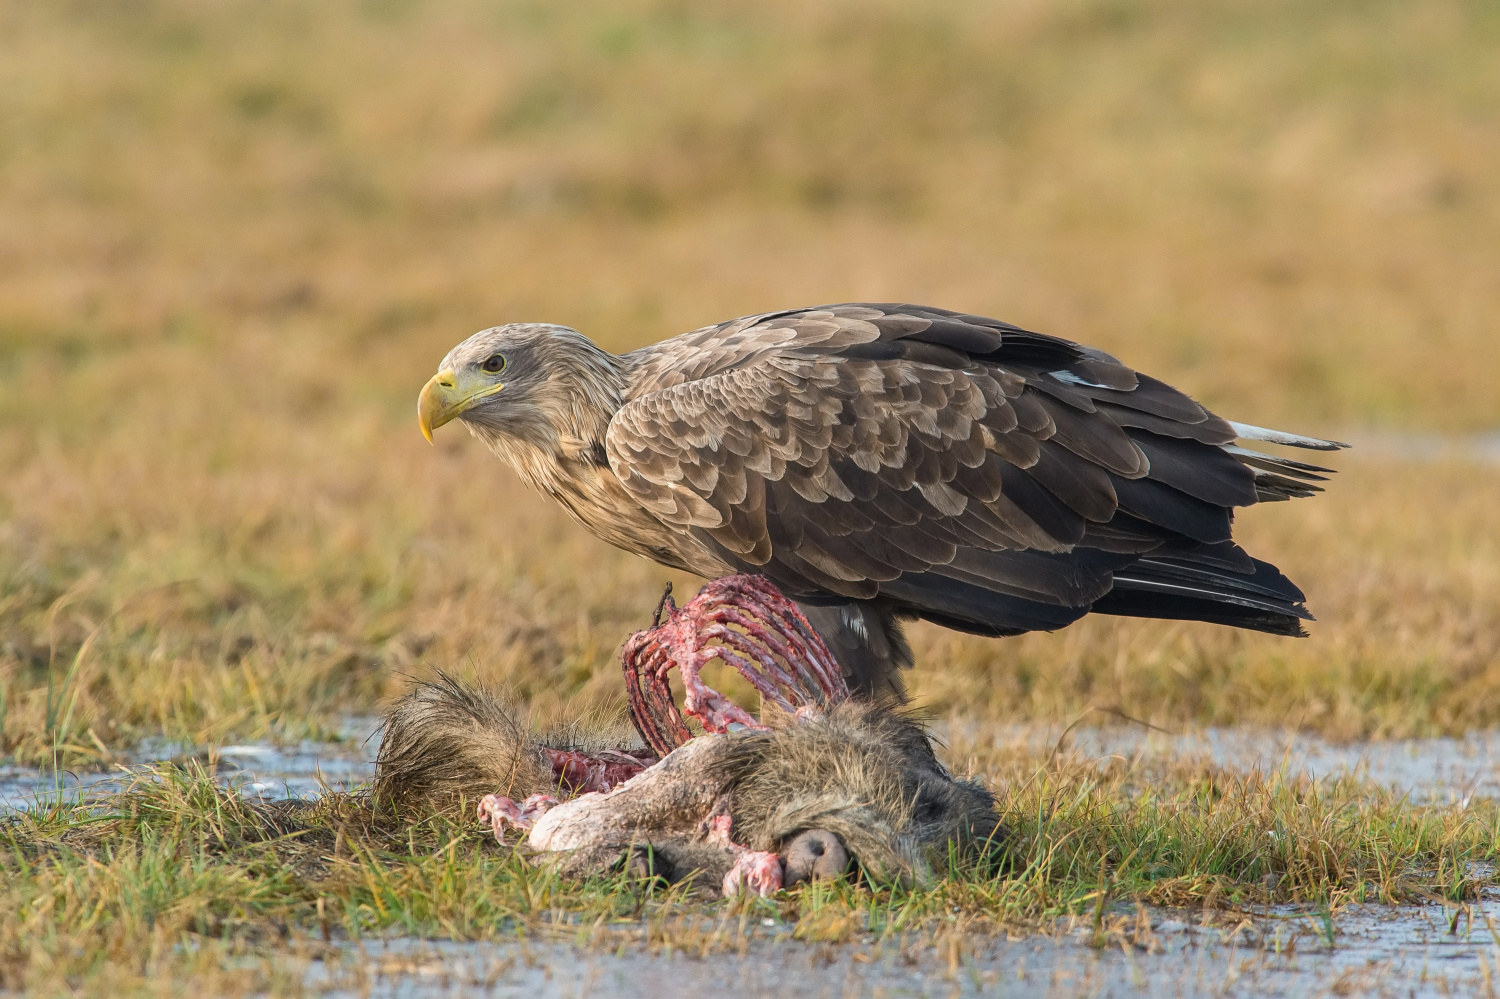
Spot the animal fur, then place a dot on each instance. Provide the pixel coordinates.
(862, 772)
(447, 745)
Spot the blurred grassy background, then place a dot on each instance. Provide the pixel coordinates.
(237, 237)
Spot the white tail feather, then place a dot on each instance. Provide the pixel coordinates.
(1245, 431)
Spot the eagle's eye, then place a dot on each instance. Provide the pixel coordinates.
(494, 364)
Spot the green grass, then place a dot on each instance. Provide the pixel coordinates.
(178, 877)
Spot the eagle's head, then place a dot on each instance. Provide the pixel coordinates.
(536, 383)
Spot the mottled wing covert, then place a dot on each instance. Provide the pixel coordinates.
(842, 447)
(982, 475)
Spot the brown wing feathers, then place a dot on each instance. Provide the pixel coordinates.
(968, 471)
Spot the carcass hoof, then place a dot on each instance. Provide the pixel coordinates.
(812, 855)
(643, 864)
(754, 871)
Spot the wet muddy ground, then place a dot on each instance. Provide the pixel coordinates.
(1374, 950)
(1364, 950)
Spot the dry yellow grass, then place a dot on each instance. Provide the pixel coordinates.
(237, 237)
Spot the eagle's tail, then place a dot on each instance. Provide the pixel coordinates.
(1181, 588)
(1010, 593)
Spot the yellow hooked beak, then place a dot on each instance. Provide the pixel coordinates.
(447, 395)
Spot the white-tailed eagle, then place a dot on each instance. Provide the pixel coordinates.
(880, 462)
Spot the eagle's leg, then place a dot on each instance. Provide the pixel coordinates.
(867, 641)
(745, 622)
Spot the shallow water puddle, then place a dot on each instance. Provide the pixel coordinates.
(1434, 771)
(1407, 952)
(259, 770)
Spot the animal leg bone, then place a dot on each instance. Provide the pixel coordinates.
(754, 871)
(502, 812)
(758, 871)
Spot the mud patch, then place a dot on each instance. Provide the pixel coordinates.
(1282, 952)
